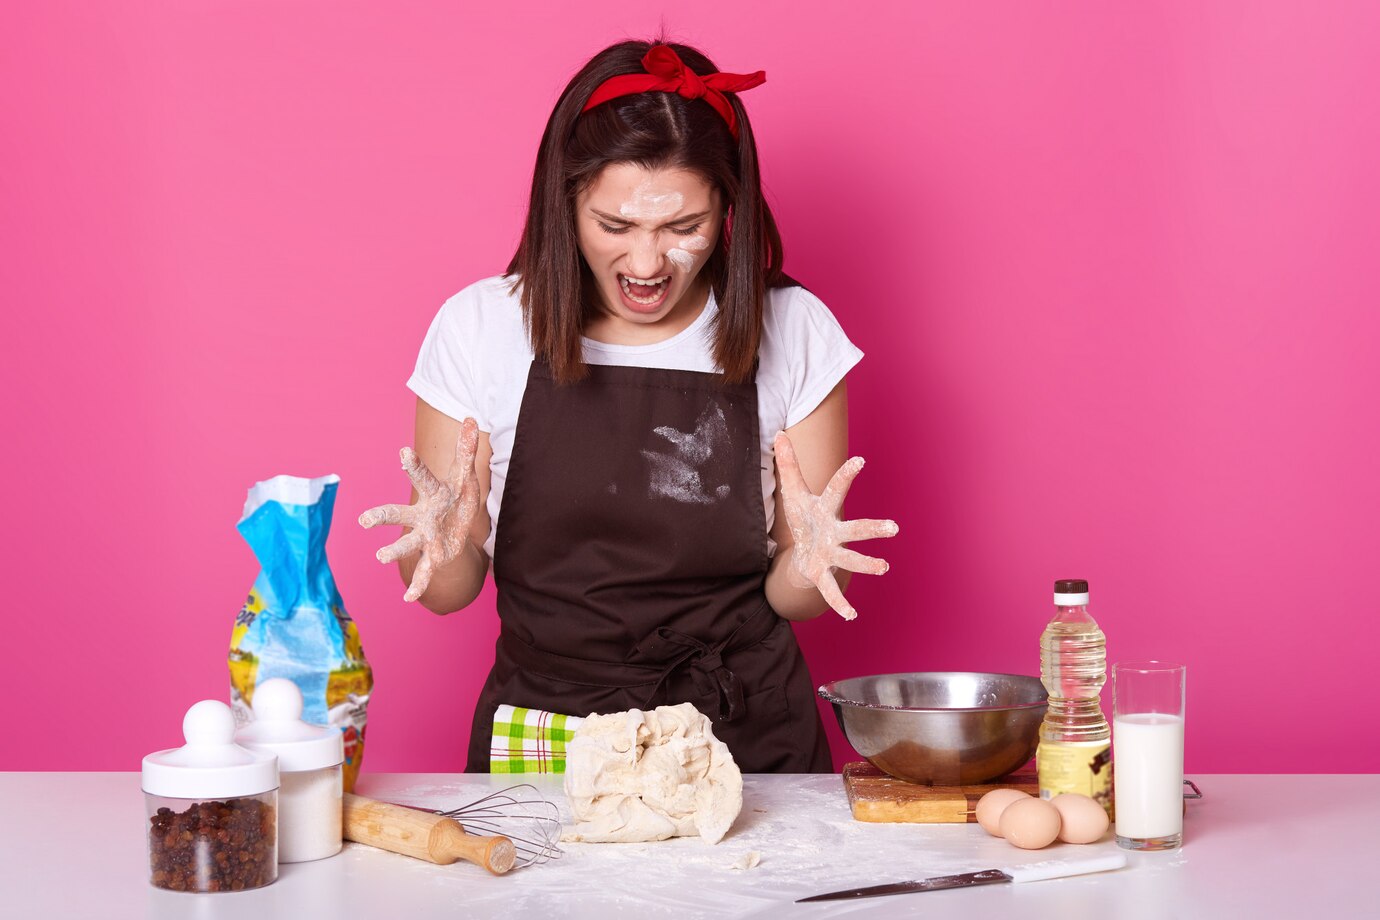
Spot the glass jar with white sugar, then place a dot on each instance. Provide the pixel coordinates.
(310, 759)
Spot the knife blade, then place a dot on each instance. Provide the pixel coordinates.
(1032, 872)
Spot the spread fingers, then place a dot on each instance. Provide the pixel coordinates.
(829, 589)
(832, 496)
(466, 446)
(866, 529)
(857, 562)
(403, 546)
(388, 514)
(421, 579)
(422, 480)
(788, 467)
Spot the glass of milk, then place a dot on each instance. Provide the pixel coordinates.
(1148, 754)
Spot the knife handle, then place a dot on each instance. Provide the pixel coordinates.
(1062, 868)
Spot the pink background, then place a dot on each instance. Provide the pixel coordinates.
(1113, 266)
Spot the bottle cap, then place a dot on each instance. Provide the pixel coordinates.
(210, 765)
(278, 729)
(1071, 592)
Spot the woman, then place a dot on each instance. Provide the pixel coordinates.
(608, 412)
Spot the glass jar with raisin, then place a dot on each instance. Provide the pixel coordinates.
(212, 808)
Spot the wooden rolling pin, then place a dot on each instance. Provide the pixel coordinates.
(423, 835)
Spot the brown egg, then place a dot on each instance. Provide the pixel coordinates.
(991, 805)
(1030, 823)
(1083, 820)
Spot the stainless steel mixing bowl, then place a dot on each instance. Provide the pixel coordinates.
(941, 728)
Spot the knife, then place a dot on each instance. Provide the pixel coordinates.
(1034, 872)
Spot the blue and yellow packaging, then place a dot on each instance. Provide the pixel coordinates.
(294, 624)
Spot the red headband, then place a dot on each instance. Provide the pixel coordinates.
(667, 73)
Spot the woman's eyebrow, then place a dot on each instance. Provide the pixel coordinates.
(684, 219)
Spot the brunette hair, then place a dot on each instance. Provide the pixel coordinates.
(652, 130)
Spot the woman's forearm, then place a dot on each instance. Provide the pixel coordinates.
(791, 602)
(454, 586)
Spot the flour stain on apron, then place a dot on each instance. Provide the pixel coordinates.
(680, 474)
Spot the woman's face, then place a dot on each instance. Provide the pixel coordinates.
(645, 235)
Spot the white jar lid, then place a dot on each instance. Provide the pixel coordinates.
(278, 729)
(210, 764)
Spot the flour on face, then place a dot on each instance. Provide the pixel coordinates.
(683, 256)
(676, 474)
(651, 201)
(681, 259)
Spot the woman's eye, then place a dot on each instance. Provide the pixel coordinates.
(619, 231)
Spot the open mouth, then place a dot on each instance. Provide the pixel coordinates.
(644, 291)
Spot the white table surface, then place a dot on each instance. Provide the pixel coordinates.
(1256, 846)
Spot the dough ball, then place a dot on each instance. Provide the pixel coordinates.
(637, 776)
(1030, 823)
(991, 805)
(1083, 820)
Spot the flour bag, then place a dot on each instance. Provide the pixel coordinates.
(294, 624)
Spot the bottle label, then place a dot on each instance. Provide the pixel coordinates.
(1081, 768)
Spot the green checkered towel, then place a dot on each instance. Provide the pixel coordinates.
(530, 740)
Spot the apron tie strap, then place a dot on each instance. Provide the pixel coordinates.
(713, 681)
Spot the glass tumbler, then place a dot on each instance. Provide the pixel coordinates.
(1148, 754)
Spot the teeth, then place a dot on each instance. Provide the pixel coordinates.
(625, 281)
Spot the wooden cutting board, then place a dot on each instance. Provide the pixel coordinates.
(878, 798)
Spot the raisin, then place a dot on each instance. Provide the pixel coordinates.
(213, 846)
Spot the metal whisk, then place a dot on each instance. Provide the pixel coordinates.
(519, 813)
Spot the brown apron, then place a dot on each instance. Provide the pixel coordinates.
(630, 559)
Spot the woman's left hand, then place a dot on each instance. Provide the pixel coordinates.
(819, 533)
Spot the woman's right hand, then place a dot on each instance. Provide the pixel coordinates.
(440, 518)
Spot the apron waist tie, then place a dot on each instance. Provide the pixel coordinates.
(715, 684)
(712, 680)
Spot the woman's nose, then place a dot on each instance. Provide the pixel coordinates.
(644, 259)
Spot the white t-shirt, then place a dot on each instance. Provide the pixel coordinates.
(476, 355)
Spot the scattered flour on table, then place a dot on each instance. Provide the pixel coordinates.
(801, 826)
(749, 860)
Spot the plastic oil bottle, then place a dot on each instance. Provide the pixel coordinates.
(1074, 754)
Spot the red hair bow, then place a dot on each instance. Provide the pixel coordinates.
(667, 73)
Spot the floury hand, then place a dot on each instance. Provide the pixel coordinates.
(441, 517)
(818, 531)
